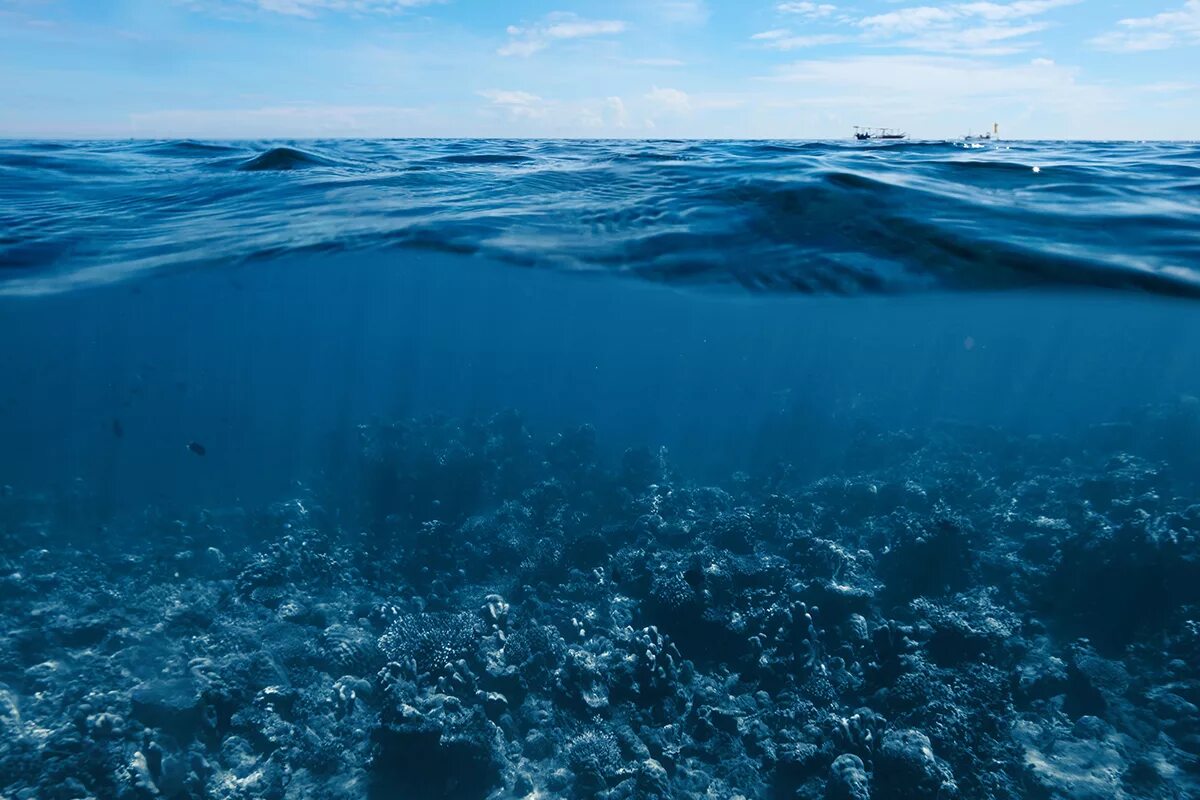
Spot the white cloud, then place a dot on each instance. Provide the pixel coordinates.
(921, 18)
(1159, 32)
(783, 39)
(686, 11)
(517, 104)
(598, 116)
(668, 111)
(1021, 9)
(617, 111)
(807, 10)
(986, 40)
(525, 41)
(671, 100)
(910, 90)
(910, 20)
(978, 28)
(311, 8)
(815, 13)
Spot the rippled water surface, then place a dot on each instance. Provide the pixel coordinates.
(811, 217)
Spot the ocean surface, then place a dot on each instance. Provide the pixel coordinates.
(807, 217)
(516, 469)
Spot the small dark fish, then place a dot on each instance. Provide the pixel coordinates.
(196, 448)
(117, 428)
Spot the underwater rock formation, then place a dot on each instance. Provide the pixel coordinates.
(959, 614)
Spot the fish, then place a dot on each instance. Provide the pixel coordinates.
(118, 429)
(196, 448)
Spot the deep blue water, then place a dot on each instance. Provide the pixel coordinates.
(809, 217)
(889, 490)
(264, 298)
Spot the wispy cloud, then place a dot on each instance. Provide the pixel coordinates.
(668, 99)
(984, 40)
(784, 39)
(917, 19)
(902, 80)
(308, 9)
(1159, 32)
(1014, 10)
(686, 11)
(910, 90)
(807, 10)
(810, 13)
(665, 110)
(655, 110)
(977, 28)
(516, 104)
(616, 106)
(526, 40)
(15, 21)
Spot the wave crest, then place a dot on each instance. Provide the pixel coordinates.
(283, 158)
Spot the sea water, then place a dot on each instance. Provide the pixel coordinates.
(599, 469)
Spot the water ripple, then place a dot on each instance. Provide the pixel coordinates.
(811, 217)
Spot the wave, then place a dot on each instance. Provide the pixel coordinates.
(284, 158)
(802, 217)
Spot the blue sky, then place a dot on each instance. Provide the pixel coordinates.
(622, 68)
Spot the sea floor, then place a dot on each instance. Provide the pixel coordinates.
(486, 613)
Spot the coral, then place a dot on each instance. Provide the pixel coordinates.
(475, 612)
(848, 779)
(430, 641)
(594, 758)
(350, 649)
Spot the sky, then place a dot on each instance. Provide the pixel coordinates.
(791, 69)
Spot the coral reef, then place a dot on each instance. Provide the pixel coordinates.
(477, 613)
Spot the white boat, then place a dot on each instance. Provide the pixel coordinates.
(984, 137)
(867, 134)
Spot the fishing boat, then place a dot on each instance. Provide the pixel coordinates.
(984, 137)
(867, 134)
